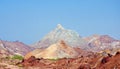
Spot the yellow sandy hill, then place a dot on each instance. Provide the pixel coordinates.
(55, 51)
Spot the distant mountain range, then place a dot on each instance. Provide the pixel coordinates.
(94, 43)
(52, 43)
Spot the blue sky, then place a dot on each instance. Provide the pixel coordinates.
(29, 20)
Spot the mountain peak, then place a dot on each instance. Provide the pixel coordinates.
(70, 37)
(59, 26)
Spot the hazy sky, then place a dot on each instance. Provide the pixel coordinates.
(29, 20)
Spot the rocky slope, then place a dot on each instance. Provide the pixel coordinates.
(102, 42)
(95, 62)
(12, 48)
(55, 51)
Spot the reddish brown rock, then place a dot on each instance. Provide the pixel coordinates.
(97, 62)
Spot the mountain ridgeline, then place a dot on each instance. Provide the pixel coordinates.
(94, 43)
(65, 49)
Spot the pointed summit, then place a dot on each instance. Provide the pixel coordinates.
(59, 26)
(70, 37)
